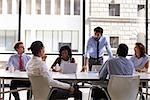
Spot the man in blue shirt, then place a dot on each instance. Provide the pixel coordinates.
(95, 49)
(18, 61)
(119, 65)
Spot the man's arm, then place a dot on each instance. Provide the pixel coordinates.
(9, 63)
(84, 69)
(108, 49)
(85, 63)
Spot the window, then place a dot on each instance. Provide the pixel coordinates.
(38, 6)
(114, 9)
(76, 7)
(28, 6)
(17, 6)
(67, 7)
(9, 6)
(57, 7)
(47, 6)
(0, 6)
(7, 39)
(141, 11)
(114, 42)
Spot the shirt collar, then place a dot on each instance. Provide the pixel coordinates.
(38, 58)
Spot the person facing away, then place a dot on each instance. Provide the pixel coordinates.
(140, 59)
(95, 49)
(65, 56)
(37, 67)
(119, 65)
(18, 61)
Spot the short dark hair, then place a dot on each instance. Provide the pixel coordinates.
(98, 29)
(35, 47)
(65, 48)
(16, 46)
(122, 50)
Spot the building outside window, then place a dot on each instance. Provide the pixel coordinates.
(67, 7)
(141, 11)
(114, 42)
(7, 39)
(28, 6)
(48, 7)
(76, 7)
(57, 7)
(0, 6)
(9, 6)
(38, 6)
(114, 9)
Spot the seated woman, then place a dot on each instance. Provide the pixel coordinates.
(140, 59)
(65, 56)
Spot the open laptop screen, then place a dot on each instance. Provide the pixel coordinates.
(69, 68)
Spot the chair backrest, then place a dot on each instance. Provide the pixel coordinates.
(40, 87)
(123, 87)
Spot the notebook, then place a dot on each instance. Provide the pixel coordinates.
(69, 68)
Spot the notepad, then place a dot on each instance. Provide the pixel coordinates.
(69, 68)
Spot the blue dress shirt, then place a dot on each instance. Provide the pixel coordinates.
(116, 66)
(139, 62)
(14, 61)
(92, 47)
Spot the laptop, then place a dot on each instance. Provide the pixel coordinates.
(69, 68)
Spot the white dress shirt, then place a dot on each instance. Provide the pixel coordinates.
(37, 67)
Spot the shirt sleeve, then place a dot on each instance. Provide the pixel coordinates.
(10, 62)
(103, 71)
(108, 49)
(54, 83)
(88, 48)
(57, 61)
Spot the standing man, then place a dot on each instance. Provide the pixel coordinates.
(95, 49)
(18, 61)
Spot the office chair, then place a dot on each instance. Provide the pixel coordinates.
(40, 87)
(123, 87)
(101, 90)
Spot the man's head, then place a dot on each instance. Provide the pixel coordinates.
(98, 32)
(19, 47)
(122, 50)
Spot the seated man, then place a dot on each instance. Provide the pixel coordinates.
(18, 61)
(115, 66)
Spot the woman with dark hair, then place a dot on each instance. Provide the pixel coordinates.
(140, 59)
(65, 56)
(37, 67)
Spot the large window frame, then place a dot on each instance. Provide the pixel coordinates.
(83, 31)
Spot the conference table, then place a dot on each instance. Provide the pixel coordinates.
(77, 77)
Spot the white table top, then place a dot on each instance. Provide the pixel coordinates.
(78, 76)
